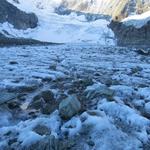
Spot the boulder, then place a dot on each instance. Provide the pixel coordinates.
(69, 107)
(97, 90)
(44, 101)
(130, 35)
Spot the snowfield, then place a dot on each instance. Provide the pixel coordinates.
(112, 83)
(60, 28)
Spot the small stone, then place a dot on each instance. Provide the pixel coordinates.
(6, 96)
(143, 52)
(53, 66)
(37, 97)
(90, 143)
(47, 95)
(98, 90)
(42, 130)
(36, 104)
(69, 107)
(47, 143)
(11, 141)
(48, 108)
(13, 63)
(13, 105)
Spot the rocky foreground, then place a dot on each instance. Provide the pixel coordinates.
(74, 97)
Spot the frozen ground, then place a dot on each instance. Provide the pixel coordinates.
(107, 121)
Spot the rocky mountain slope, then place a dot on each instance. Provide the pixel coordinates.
(118, 9)
(19, 19)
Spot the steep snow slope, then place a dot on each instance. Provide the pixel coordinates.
(60, 28)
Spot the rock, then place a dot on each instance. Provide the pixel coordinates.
(13, 63)
(19, 19)
(44, 102)
(90, 143)
(143, 52)
(136, 70)
(6, 96)
(14, 105)
(79, 85)
(37, 97)
(42, 130)
(82, 83)
(36, 104)
(47, 95)
(130, 35)
(147, 109)
(69, 107)
(49, 108)
(97, 90)
(47, 143)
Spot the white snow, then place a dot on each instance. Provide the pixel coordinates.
(147, 107)
(25, 129)
(128, 117)
(145, 92)
(106, 135)
(137, 20)
(60, 28)
(72, 127)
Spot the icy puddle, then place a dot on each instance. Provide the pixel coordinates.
(112, 85)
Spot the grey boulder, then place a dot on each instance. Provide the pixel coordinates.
(69, 107)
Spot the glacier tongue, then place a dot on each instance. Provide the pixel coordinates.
(61, 28)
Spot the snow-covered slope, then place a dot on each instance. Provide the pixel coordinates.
(137, 20)
(60, 28)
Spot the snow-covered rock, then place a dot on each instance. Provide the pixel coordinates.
(69, 107)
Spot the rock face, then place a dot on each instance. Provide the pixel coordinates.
(118, 9)
(16, 17)
(69, 107)
(129, 35)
